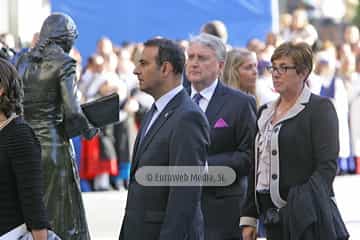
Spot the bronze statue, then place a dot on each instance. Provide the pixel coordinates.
(51, 107)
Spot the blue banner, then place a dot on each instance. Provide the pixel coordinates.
(138, 20)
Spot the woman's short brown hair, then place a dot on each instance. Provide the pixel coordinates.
(11, 85)
(300, 53)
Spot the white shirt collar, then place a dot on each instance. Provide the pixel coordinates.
(293, 111)
(206, 93)
(166, 98)
(302, 99)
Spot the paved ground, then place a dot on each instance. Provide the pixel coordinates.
(105, 210)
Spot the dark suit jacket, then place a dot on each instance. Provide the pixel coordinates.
(230, 146)
(308, 144)
(178, 137)
(321, 220)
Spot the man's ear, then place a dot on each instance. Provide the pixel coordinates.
(166, 68)
(304, 73)
(221, 66)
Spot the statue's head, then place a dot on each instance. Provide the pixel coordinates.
(60, 29)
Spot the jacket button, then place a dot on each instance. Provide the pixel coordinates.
(273, 152)
(274, 176)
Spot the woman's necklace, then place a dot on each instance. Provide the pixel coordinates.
(282, 111)
(279, 113)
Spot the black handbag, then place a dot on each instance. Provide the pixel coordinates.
(102, 111)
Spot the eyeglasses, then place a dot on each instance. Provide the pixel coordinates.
(280, 70)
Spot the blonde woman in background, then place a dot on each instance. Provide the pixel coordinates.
(240, 70)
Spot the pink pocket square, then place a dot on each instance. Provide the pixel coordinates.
(220, 123)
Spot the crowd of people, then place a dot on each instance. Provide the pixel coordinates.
(292, 97)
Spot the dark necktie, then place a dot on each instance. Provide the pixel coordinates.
(149, 116)
(196, 98)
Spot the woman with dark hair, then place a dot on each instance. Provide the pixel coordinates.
(52, 108)
(21, 184)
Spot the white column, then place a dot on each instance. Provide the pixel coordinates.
(275, 15)
(30, 16)
(4, 16)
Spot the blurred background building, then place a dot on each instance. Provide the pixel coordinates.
(22, 18)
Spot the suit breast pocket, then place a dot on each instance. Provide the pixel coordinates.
(157, 147)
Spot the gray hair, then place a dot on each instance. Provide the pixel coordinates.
(212, 42)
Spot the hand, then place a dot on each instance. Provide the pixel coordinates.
(90, 133)
(248, 233)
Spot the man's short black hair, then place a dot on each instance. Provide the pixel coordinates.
(169, 51)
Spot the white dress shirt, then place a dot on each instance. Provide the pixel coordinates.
(162, 102)
(206, 94)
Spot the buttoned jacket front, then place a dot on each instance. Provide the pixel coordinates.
(303, 142)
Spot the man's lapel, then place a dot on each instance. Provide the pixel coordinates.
(216, 103)
(140, 133)
(162, 118)
(156, 126)
(137, 141)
